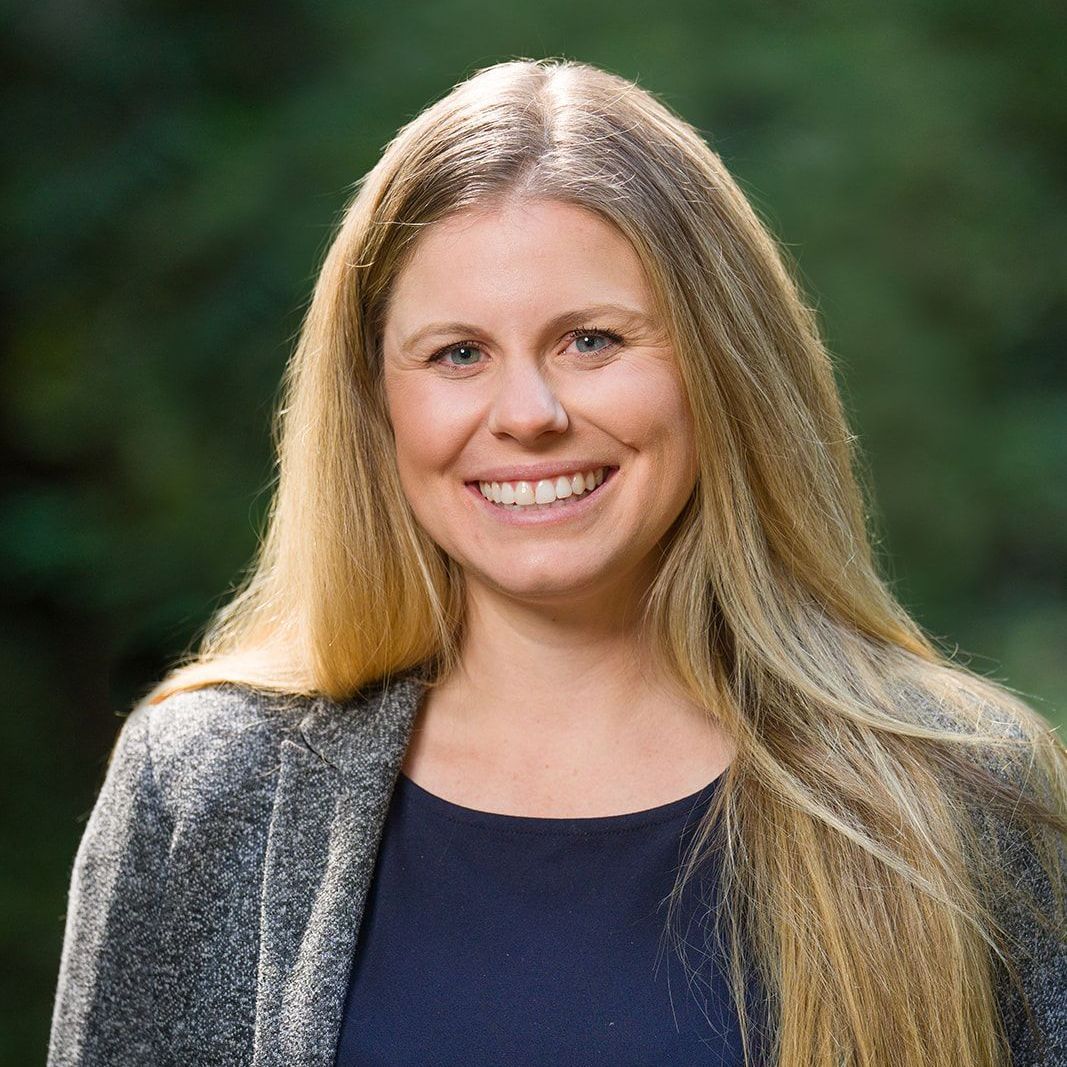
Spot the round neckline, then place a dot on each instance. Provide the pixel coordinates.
(672, 810)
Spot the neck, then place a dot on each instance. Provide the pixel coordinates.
(542, 676)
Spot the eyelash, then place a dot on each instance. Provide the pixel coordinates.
(613, 337)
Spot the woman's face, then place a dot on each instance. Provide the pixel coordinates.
(501, 365)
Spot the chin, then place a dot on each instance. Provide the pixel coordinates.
(541, 584)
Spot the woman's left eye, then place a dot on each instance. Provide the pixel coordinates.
(585, 336)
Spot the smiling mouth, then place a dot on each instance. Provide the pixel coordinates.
(523, 493)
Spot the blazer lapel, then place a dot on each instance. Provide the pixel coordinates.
(329, 810)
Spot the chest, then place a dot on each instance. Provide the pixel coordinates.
(549, 938)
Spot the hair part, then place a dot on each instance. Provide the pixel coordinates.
(845, 833)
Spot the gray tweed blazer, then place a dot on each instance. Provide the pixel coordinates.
(218, 889)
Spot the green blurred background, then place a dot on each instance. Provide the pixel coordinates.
(174, 176)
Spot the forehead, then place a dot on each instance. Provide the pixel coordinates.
(520, 259)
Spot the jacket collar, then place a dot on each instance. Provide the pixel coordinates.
(373, 725)
(333, 793)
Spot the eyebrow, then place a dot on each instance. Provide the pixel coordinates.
(581, 316)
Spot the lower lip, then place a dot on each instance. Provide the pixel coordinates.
(546, 516)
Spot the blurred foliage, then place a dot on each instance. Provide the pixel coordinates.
(174, 176)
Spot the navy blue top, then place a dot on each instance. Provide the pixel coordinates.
(494, 939)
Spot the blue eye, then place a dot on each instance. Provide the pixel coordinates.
(594, 335)
(578, 336)
(454, 348)
(581, 336)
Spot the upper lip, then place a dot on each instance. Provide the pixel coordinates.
(532, 472)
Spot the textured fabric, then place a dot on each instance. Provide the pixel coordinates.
(218, 889)
(545, 936)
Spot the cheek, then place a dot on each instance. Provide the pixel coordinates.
(659, 424)
(649, 409)
(683, 458)
(685, 437)
(428, 426)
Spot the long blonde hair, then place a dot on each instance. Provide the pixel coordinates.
(854, 885)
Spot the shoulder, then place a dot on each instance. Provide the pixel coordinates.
(990, 727)
(223, 713)
(213, 744)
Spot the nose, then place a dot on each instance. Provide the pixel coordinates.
(525, 405)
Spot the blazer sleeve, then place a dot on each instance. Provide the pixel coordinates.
(1035, 1017)
(103, 1006)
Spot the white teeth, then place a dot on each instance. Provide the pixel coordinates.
(545, 491)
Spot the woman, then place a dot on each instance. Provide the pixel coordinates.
(566, 611)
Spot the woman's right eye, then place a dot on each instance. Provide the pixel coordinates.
(438, 357)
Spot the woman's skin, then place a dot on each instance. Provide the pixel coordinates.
(555, 711)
